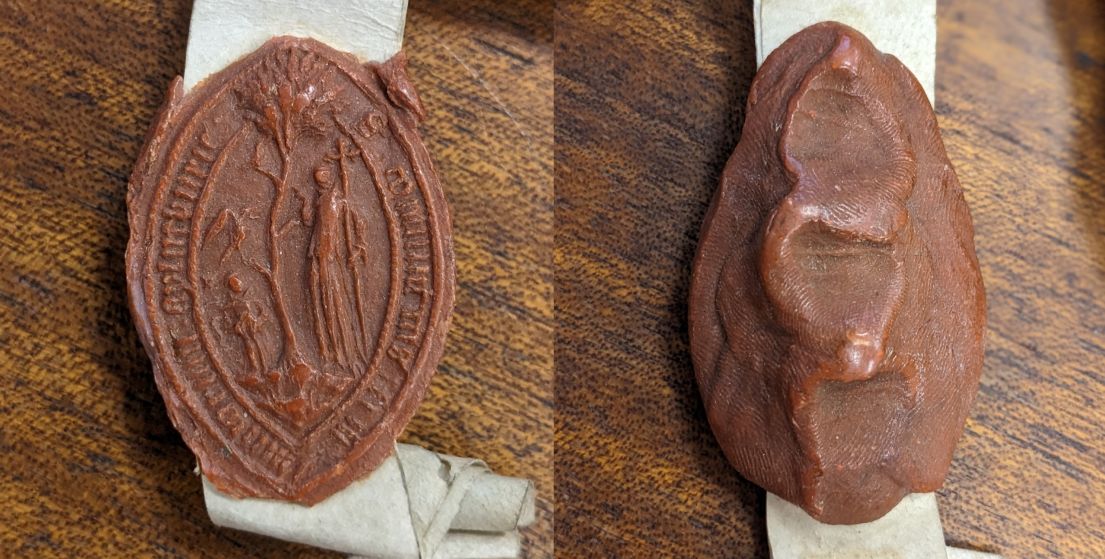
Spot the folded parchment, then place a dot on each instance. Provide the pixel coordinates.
(418, 504)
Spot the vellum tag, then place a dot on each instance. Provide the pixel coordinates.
(904, 28)
(911, 530)
(223, 31)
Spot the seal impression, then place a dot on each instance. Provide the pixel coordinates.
(290, 267)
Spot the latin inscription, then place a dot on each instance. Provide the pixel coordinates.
(176, 227)
(416, 264)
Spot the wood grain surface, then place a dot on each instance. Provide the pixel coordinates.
(90, 465)
(649, 103)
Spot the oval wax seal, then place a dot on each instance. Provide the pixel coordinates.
(290, 267)
(836, 309)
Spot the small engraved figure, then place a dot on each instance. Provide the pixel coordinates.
(225, 219)
(216, 226)
(245, 317)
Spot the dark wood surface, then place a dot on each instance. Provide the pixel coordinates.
(649, 102)
(89, 464)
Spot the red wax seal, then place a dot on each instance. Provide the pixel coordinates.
(290, 267)
(837, 310)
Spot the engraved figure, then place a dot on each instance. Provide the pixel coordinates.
(336, 253)
(246, 320)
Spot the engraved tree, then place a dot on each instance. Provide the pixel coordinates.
(287, 101)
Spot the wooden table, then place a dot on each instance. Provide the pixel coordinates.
(90, 465)
(649, 103)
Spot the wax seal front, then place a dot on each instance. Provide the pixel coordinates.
(837, 310)
(290, 267)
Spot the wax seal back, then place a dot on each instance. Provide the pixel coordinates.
(837, 309)
(290, 267)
